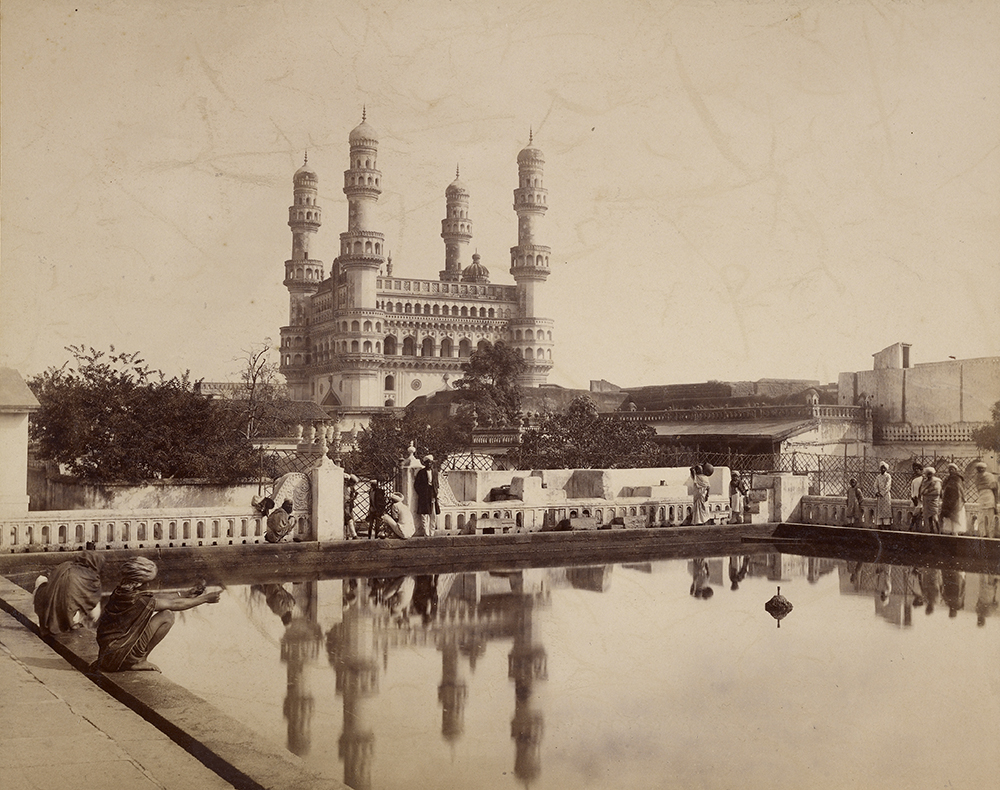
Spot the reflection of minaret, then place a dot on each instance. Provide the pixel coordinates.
(594, 578)
(526, 663)
(452, 693)
(351, 648)
(299, 646)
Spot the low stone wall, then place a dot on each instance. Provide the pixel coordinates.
(832, 511)
(589, 498)
(70, 530)
(59, 492)
(516, 516)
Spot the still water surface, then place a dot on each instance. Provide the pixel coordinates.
(613, 676)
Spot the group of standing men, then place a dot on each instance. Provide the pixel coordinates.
(938, 505)
(391, 517)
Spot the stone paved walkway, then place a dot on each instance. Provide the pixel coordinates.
(60, 731)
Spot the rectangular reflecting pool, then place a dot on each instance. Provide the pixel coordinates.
(662, 674)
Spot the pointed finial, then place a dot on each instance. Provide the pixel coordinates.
(456, 172)
(305, 159)
(531, 135)
(364, 112)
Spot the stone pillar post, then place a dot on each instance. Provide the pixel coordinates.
(788, 490)
(328, 502)
(409, 468)
(16, 401)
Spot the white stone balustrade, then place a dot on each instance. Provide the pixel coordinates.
(739, 413)
(928, 434)
(68, 530)
(519, 516)
(832, 510)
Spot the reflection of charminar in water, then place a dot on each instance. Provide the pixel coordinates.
(362, 338)
(481, 608)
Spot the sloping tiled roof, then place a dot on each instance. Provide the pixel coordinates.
(14, 393)
(750, 429)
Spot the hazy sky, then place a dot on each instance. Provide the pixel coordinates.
(736, 189)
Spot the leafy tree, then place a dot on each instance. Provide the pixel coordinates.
(490, 385)
(385, 442)
(109, 418)
(581, 439)
(987, 437)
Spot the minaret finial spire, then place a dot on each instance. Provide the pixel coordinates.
(305, 159)
(364, 112)
(456, 172)
(531, 135)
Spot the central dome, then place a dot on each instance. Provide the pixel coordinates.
(475, 273)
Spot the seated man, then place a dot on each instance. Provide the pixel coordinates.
(399, 519)
(135, 621)
(70, 596)
(280, 523)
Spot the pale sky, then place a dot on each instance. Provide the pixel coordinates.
(737, 189)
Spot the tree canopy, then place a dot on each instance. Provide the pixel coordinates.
(490, 384)
(987, 437)
(385, 442)
(109, 418)
(582, 439)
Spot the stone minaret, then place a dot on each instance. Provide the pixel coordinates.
(529, 265)
(362, 254)
(456, 229)
(302, 278)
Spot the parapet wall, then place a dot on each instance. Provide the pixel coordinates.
(551, 486)
(58, 492)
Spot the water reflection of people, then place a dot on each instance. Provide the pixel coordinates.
(883, 582)
(699, 583)
(739, 565)
(135, 621)
(930, 587)
(278, 599)
(987, 601)
(425, 597)
(70, 596)
(953, 591)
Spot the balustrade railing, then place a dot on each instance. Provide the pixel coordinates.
(798, 411)
(68, 530)
(944, 432)
(833, 511)
(516, 516)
